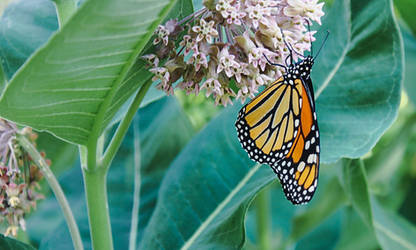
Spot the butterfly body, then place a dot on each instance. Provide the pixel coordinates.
(279, 127)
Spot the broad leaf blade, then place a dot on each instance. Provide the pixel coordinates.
(357, 77)
(67, 87)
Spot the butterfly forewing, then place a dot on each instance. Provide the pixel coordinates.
(266, 126)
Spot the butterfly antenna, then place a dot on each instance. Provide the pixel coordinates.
(274, 64)
(319, 51)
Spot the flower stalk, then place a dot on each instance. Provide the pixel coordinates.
(56, 188)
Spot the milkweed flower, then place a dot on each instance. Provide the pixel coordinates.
(19, 178)
(222, 48)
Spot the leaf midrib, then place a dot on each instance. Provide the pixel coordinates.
(220, 206)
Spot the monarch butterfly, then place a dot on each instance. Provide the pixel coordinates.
(279, 127)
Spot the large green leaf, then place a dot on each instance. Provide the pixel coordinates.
(7, 243)
(73, 86)
(164, 130)
(357, 77)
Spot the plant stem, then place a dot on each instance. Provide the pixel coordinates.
(99, 219)
(56, 188)
(123, 127)
(262, 212)
(95, 177)
(137, 184)
(64, 10)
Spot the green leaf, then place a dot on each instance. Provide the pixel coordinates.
(206, 191)
(393, 231)
(161, 119)
(7, 243)
(25, 26)
(410, 57)
(354, 180)
(357, 77)
(73, 86)
(139, 73)
(407, 10)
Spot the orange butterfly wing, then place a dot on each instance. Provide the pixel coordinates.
(279, 127)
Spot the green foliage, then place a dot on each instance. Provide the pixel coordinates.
(357, 77)
(12, 244)
(163, 131)
(81, 77)
(197, 191)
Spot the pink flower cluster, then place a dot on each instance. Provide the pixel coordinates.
(226, 44)
(19, 179)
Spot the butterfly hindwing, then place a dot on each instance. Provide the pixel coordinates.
(298, 172)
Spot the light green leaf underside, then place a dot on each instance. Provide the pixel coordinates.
(75, 84)
(357, 77)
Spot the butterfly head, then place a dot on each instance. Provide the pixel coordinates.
(301, 69)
